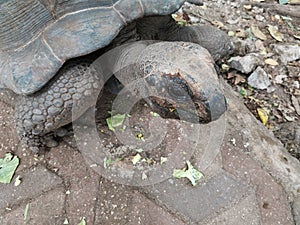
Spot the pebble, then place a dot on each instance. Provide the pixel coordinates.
(259, 79)
(259, 18)
(245, 64)
(287, 53)
(279, 79)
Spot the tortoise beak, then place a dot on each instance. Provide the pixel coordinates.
(205, 111)
(217, 105)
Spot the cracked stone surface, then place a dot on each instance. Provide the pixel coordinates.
(250, 181)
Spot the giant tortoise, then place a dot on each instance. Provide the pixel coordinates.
(42, 76)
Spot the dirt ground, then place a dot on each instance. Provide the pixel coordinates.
(250, 25)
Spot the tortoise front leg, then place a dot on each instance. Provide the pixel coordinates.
(38, 115)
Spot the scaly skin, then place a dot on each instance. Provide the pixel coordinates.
(39, 114)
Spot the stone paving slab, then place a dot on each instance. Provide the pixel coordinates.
(252, 181)
(114, 203)
(35, 181)
(82, 183)
(202, 202)
(246, 212)
(145, 211)
(120, 204)
(271, 197)
(47, 209)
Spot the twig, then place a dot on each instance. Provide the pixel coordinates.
(285, 10)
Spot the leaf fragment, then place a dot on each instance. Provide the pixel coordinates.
(190, 173)
(110, 161)
(82, 222)
(271, 62)
(136, 159)
(181, 18)
(283, 2)
(115, 121)
(275, 33)
(8, 166)
(144, 176)
(163, 160)
(140, 136)
(154, 114)
(18, 181)
(263, 115)
(26, 211)
(243, 92)
(258, 33)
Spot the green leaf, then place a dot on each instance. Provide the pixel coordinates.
(26, 211)
(8, 166)
(82, 222)
(154, 114)
(136, 159)
(243, 92)
(110, 161)
(190, 173)
(17, 181)
(115, 121)
(163, 160)
(144, 176)
(139, 150)
(283, 2)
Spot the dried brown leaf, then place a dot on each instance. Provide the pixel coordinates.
(271, 62)
(275, 33)
(258, 33)
(217, 23)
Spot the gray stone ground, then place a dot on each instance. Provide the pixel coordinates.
(251, 181)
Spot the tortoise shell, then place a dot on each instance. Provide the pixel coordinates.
(38, 36)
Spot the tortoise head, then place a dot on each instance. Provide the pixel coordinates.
(181, 96)
(188, 88)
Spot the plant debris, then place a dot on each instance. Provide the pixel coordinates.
(82, 222)
(26, 211)
(115, 121)
(8, 166)
(190, 173)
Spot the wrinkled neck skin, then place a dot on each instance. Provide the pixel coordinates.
(164, 28)
(157, 28)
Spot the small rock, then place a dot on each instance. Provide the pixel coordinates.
(259, 18)
(296, 105)
(271, 89)
(296, 84)
(280, 78)
(259, 45)
(233, 21)
(245, 64)
(287, 53)
(259, 79)
(297, 136)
